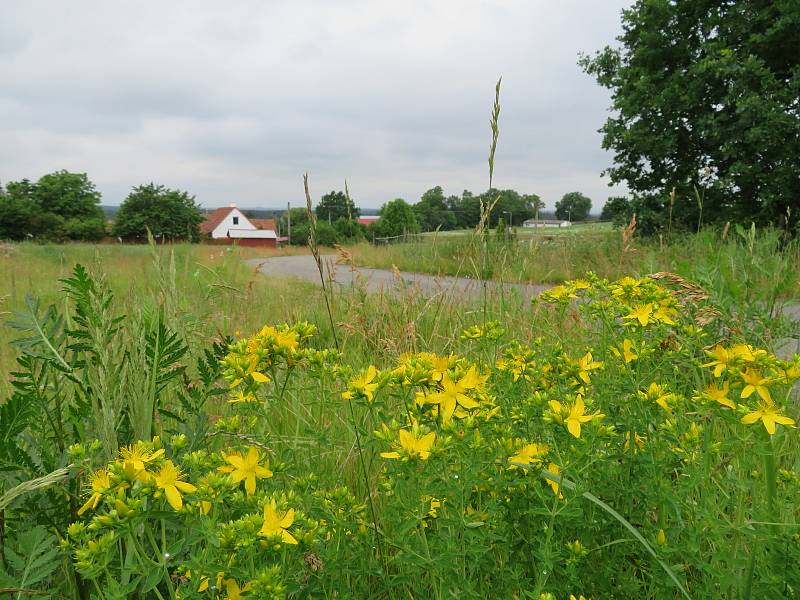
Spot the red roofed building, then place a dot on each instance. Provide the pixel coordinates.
(368, 219)
(230, 224)
(264, 223)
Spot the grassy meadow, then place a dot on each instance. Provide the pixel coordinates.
(179, 426)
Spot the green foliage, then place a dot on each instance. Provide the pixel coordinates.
(573, 206)
(299, 234)
(433, 213)
(334, 206)
(349, 231)
(618, 210)
(32, 557)
(299, 216)
(397, 218)
(167, 214)
(58, 207)
(520, 207)
(17, 211)
(326, 234)
(702, 91)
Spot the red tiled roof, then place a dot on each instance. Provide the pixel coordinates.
(214, 219)
(264, 223)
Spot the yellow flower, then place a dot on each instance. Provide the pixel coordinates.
(557, 294)
(246, 468)
(755, 383)
(205, 582)
(100, 485)
(581, 597)
(169, 480)
(659, 395)
(529, 454)
(719, 395)
(259, 377)
(440, 366)
(277, 525)
(554, 469)
(362, 385)
(638, 442)
(413, 446)
(628, 354)
(723, 358)
(585, 365)
(788, 375)
(643, 314)
(768, 414)
(664, 314)
(242, 397)
(234, 591)
(135, 458)
(661, 538)
(453, 395)
(575, 415)
(580, 284)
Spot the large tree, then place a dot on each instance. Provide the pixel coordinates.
(432, 211)
(171, 214)
(573, 206)
(705, 101)
(397, 218)
(61, 205)
(336, 205)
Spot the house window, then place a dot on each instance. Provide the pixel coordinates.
(235, 220)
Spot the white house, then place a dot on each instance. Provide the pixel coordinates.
(546, 223)
(229, 223)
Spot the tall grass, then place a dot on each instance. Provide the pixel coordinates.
(740, 270)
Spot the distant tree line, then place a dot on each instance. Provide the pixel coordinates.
(59, 206)
(65, 206)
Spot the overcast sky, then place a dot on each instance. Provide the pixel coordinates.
(233, 101)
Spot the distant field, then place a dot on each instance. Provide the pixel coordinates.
(535, 232)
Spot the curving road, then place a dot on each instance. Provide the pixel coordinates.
(304, 267)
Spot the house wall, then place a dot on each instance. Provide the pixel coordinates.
(249, 242)
(221, 230)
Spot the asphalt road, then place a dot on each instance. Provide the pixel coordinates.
(304, 267)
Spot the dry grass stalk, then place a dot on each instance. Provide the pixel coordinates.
(688, 292)
(627, 236)
(345, 257)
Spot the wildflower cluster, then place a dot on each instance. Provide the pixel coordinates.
(508, 463)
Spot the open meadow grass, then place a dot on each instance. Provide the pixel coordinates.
(178, 426)
(741, 267)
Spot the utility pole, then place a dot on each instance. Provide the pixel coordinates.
(289, 221)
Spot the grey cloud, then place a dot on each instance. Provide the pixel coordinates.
(235, 101)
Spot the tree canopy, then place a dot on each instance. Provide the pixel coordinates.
(705, 101)
(397, 218)
(432, 211)
(616, 209)
(59, 206)
(171, 214)
(573, 206)
(336, 205)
